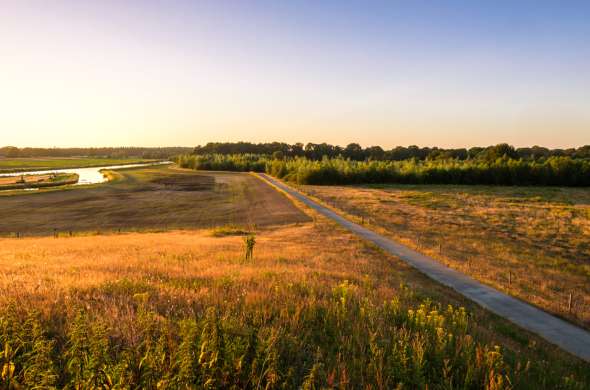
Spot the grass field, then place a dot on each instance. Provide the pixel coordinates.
(39, 164)
(158, 197)
(153, 307)
(533, 243)
(184, 309)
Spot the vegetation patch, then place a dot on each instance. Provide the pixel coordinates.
(500, 165)
(230, 230)
(149, 198)
(161, 311)
(186, 182)
(531, 242)
(37, 181)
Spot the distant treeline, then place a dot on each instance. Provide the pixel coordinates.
(116, 152)
(222, 162)
(504, 170)
(356, 152)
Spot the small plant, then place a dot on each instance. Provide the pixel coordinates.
(229, 230)
(249, 242)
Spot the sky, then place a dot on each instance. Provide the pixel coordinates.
(163, 73)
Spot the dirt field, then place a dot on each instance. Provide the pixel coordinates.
(149, 198)
(533, 243)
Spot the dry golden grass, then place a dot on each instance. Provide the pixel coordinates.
(44, 269)
(533, 243)
(295, 269)
(188, 268)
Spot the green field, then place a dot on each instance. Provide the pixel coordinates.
(39, 164)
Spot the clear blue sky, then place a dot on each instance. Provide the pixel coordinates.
(446, 73)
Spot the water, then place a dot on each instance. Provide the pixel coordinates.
(86, 175)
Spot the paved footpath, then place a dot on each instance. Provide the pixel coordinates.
(571, 338)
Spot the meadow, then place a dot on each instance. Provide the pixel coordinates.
(147, 198)
(46, 163)
(186, 309)
(147, 282)
(531, 242)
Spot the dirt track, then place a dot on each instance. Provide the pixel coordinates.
(150, 198)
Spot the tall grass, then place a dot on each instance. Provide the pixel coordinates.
(555, 171)
(182, 310)
(341, 341)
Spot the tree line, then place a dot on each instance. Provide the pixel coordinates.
(355, 152)
(107, 152)
(553, 171)
(311, 151)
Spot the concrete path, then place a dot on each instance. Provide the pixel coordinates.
(571, 338)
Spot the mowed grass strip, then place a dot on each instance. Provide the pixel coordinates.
(314, 308)
(531, 242)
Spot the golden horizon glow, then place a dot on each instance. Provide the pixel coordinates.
(77, 74)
